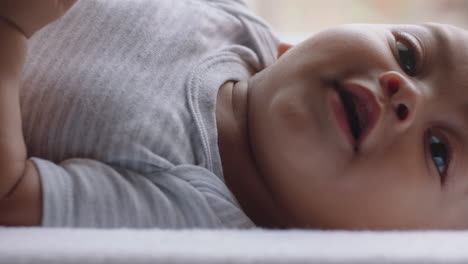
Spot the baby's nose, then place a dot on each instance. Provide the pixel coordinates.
(402, 96)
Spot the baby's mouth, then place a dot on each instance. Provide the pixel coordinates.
(361, 108)
(355, 123)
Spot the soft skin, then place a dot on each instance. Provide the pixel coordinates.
(289, 164)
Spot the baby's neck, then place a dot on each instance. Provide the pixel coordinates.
(240, 172)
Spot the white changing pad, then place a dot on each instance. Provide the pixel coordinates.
(36, 245)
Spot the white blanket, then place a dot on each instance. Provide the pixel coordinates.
(25, 245)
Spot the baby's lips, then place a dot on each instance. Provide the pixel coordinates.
(367, 108)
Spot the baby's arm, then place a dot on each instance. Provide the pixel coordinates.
(20, 190)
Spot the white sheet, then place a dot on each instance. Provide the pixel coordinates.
(25, 245)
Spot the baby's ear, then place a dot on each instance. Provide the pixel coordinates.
(282, 48)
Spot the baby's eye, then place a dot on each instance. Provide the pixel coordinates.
(439, 152)
(407, 57)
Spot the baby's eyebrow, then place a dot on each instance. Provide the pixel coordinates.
(440, 41)
(434, 30)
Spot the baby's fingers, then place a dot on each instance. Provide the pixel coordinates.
(30, 16)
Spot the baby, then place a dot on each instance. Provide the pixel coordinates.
(180, 114)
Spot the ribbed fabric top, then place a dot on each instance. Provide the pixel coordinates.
(118, 101)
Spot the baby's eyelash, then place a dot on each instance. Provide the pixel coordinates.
(439, 152)
(415, 50)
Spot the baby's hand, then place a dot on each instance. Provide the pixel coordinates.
(29, 16)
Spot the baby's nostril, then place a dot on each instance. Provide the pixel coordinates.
(402, 112)
(393, 86)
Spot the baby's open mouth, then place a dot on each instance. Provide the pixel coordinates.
(349, 103)
(362, 109)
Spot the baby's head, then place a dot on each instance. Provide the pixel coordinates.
(366, 126)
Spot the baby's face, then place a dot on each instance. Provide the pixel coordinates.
(366, 126)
